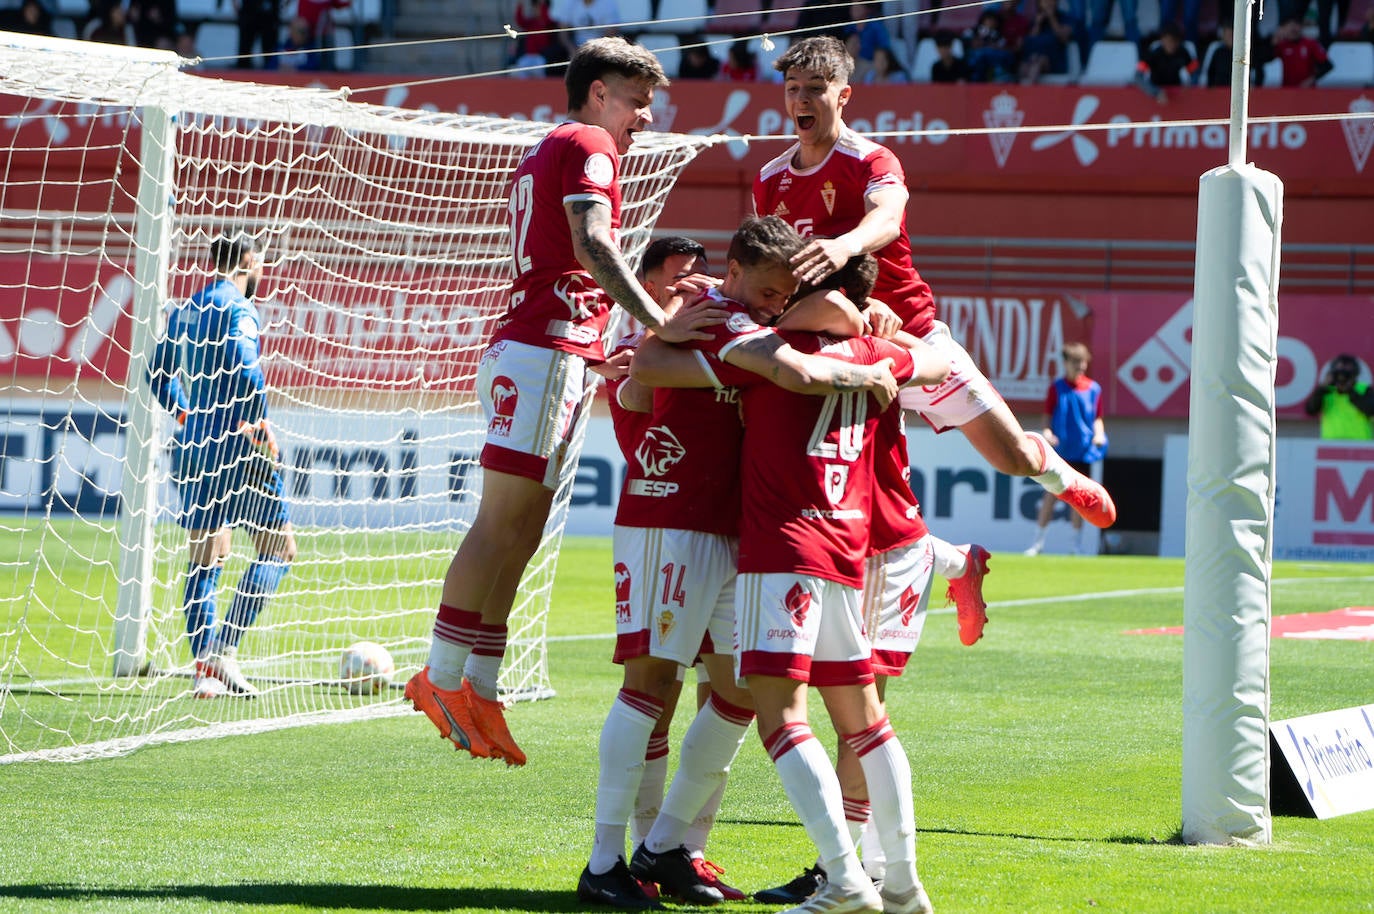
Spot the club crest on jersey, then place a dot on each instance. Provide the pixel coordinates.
(622, 592)
(828, 197)
(666, 621)
(598, 169)
(836, 481)
(740, 322)
(798, 603)
(505, 396)
(660, 451)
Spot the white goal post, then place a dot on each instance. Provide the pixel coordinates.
(387, 260)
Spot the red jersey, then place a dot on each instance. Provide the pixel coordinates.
(897, 517)
(629, 425)
(554, 302)
(807, 468)
(828, 200)
(683, 460)
(1300, 59)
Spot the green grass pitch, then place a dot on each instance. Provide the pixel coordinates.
(1046, 764)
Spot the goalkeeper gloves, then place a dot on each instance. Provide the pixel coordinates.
(265, 458)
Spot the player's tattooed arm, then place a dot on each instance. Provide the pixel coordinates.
(597, 252)
(770, 356)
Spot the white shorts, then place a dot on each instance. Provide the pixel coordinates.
(896, 596)
(531, 397)
(958, 399)
(800, 627)
(674, 593)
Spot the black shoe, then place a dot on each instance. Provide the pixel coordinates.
(675, 875)
(796, 891)
(616, 888)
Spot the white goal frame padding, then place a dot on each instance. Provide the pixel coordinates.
(1227, 582)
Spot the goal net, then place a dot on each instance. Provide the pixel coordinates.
(387, 260)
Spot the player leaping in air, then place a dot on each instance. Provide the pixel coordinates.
(849, 195)
(565, 214)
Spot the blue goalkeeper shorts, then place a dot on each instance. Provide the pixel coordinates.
(227, 483)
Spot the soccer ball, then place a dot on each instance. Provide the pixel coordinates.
(366, 668)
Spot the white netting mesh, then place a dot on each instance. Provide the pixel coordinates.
(387, 260)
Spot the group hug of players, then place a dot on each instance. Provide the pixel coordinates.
(766, 525)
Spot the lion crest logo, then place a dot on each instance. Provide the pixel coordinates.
(659, 451)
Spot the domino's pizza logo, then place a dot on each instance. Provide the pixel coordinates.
(1161, 365)
(505, 396)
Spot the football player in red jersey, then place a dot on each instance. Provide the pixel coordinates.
(565, 213)
(675, 545)
(807, 485)
(848, 195)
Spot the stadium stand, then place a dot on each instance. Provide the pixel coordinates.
(766, 58)
(218, 43)
(1352, 65)
(1110, 63)
(1072, 75)
(666, 48)
(633, 11)
(738, 17)
(926, 55)
(686, 16)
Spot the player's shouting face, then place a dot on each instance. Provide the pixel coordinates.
(622, 108)
(814, 104)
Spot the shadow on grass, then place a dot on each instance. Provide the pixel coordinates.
(330, 896)
(1174, 838)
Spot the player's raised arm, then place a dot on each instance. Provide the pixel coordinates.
(770, 356)
(882, 222)
(596, 250)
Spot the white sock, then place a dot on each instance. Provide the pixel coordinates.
(1056, 473)
(483, 672)
(446, 661)
(700, 830)
(874, 860)
(649, 800)
(814, 790)
(708, 748)
(950, 561)
(888, 775)
(624, 739)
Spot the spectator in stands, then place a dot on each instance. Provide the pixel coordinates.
(259, 26)
(1015, 27)
(588, 19)
(320, 15)
(185, 45)
(30, 19)
(1367, 30)
(870, 29)
(697, 61)
(822, 17)
(1192, 10)
(154, 22)
(741, 64)
(536, 45)
(1168, 62)
(110, 23)
(1326, 33)
(886, 69)
(299, 53)
(1102, 14)
(1219, 64)
(1343, 402)
(1046, 48)
(948, 68)
(861, 66)
(985, 49)
(1304, 59)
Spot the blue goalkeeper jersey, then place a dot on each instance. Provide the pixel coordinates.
(209, 364)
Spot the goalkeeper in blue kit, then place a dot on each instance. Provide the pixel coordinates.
(207, 372)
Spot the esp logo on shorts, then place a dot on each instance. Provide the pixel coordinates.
(504, 398)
